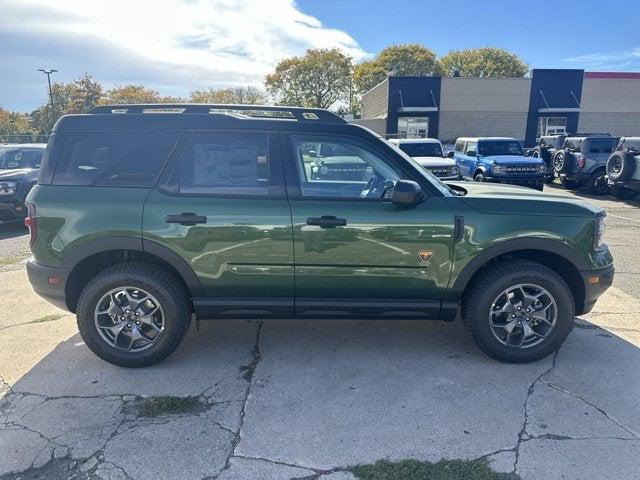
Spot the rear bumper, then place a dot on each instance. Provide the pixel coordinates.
(631, 183)
(41, 277)
(592, 288)
(575, 176)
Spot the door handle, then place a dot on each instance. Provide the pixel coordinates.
(186, 218)
(327, 221)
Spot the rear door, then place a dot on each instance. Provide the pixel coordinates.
(221, 206)
(356, 253)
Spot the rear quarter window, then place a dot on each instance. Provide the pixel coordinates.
(601, 146)
(114, 159)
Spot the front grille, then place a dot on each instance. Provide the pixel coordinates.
(518, 169)
(440, 172)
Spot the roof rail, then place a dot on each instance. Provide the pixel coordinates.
(254, 111)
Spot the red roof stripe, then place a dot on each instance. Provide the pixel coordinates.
(612, 75)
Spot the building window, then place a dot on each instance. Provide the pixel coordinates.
(551, 126)
(413, 127)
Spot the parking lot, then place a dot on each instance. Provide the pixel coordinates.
(309, 399)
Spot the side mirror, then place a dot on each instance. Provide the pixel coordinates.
(406, 192)
(451, 154)
(471, 153)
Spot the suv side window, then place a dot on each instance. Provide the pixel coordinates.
(601, 146)
(225, 163)
(114, 159)
(471, 147)
(459, 146)
(337, 167)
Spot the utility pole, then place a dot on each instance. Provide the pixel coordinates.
(48, 74)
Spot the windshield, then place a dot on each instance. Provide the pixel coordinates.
(421, 149)
(19, 158)
(499, 147)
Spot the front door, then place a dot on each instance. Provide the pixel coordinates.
(223, 210)
(356, 253)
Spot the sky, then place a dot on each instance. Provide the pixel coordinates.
(176, 46)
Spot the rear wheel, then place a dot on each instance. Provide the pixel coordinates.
(478, 177)
(133, 314)
(518, 311)
(597, 183)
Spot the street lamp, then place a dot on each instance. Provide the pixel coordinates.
(48, 74)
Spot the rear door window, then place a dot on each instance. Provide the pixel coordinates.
(226, 163)
(114, 159)
(601, 146)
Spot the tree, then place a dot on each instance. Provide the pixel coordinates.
(483, 62)
(13, 123)
(82, 95)
(319, 79)
(411, 59)
(121, 94)
(235, 95)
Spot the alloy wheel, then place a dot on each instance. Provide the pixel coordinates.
(129, 318)
(523, 315)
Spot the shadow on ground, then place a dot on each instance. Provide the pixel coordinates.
(302, 399)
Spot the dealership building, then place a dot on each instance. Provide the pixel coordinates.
(547, 102)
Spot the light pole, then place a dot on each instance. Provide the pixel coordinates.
(48, 74)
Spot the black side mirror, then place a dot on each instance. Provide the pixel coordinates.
(407, 192)
(451, 154)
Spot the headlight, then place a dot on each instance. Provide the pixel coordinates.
(8, 188)
(455, 171)
(498, 169)
(598, 238)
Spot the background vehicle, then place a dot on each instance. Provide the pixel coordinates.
(19, 166)
(498, 160)
(428, 152)
(623, 169)
(201, 212)
(582, 161)
(546, 149)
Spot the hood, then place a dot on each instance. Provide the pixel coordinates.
(511, 159)
(435, 161)
(15, 172)
(503, 199)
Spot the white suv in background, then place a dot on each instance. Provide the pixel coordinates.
(428, 152)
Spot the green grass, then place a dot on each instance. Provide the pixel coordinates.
(417, 470)
(48, 318)
(167, 405)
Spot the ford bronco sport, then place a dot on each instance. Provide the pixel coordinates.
(19, 165)
(498, 160)
(582, 161)
(145, 215)
(623, 169)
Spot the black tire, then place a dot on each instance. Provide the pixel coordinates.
(478, 177)
(155, 280)
(597, 183)
(562, 161)
(624, 193)
(569, 184)
(539, 186)
(543, 153)
(487, 286)
(621, 165)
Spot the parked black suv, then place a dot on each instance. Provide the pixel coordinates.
(19, 166)
(623, 169)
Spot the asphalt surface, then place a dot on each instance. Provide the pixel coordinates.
(287, 399)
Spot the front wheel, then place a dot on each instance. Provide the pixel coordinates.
(518, 311)
(133, 314)
(478, 177)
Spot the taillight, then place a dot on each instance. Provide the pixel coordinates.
(30, 222)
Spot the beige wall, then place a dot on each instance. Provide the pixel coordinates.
(610, 105)
(378, 125)
(463, 94)
(376, 101)
(482, 124)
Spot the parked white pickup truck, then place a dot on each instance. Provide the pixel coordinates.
(428, 152)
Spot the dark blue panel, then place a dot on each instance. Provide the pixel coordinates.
(558, 88)
(413, 92)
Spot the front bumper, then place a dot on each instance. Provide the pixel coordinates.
(12, 208)
(41, 276)
(596, 282)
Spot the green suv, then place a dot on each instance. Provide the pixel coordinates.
(146, 216)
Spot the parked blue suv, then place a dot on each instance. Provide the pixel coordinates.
(499, 160)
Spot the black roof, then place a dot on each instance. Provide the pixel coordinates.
(151, 117)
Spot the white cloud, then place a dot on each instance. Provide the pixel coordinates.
(627, 59)
(171, 45)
